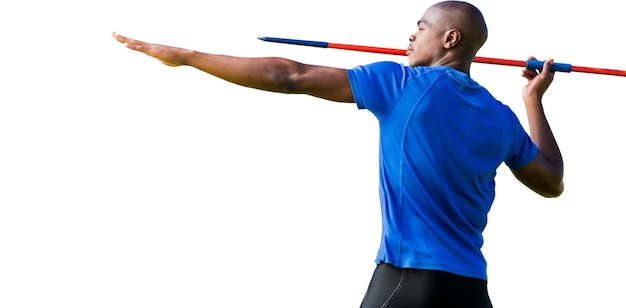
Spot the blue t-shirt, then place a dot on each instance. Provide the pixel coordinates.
(442, 137)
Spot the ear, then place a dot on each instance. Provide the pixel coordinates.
(452, 38)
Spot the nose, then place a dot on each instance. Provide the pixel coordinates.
(411, 38)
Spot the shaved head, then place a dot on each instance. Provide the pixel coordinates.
(450, 33)
(467, 19)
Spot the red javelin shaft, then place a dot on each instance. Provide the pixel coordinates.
(402, 52)
(477, 59)
(533, 64)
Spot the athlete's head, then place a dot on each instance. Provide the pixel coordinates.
(449, 33)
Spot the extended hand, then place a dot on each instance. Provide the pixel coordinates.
(168, 55)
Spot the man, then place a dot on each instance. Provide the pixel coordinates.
(442, 137)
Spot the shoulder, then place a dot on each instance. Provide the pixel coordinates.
(391, 65)
(395, 71)
(378, 66)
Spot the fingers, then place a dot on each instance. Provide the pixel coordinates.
(547, 64)
(130, 43)
(119, 38)
(545, 70)
(538, 80)
(546, 67)
(528, 73)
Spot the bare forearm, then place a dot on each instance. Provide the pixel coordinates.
(270, 74)
(541, 134)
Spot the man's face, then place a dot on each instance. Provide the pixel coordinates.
(426, 44)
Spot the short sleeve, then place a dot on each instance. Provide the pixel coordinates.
(522, 149)
(377, 87)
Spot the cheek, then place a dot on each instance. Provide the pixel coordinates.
(424, 41)
(427, 45)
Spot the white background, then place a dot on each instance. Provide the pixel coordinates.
(127, 183)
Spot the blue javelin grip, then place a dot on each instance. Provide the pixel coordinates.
(556, 67)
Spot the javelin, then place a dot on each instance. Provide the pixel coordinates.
(530, 64)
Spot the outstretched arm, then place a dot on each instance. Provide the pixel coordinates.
(544, 174)
(269, 74)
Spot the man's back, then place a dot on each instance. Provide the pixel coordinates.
(442, 136)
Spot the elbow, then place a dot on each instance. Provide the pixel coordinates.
(283, 77)
(552, 191)
(549, 187)
(556, 187)
(542, 178)
(281, 81)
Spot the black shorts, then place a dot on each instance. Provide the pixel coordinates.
(393, 287)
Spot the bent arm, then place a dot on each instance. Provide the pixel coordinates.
(544, 174)
(269, 73)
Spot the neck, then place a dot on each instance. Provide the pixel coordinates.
(457, 64)
(458, 59)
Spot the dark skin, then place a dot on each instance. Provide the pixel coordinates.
(450, 33)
